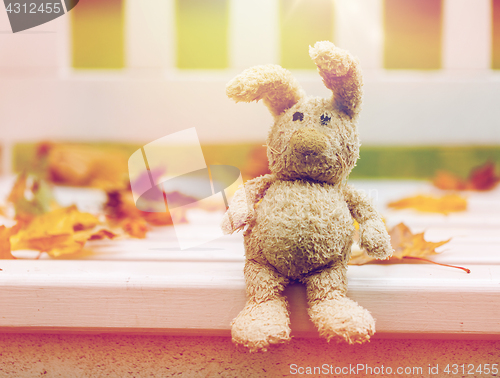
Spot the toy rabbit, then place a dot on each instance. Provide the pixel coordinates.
(299, 219)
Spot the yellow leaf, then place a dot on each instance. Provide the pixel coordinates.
(68, 247)
(405, 244)
(444, 205)
(62, 231)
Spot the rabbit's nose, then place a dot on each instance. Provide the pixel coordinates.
(308, 141)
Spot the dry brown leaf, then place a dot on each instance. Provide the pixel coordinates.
(120, 205)
(407, 246)
(136, 227)
(444, 205)
(104, 232)
(121, 212)
(98, 232)
(480, 178)
(405, 243)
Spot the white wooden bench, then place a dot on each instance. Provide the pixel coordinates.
(150, 285)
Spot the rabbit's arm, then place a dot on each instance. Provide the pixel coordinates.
(241, 209)
(341, 74)
(373, 234)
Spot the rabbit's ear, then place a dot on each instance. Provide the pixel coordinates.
(341, 74)
(270, 83)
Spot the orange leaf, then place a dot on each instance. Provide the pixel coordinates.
(448, 181)
(444, 205)
(136, 227)
(480, 178)
(406, 246)
(83, 165)
(5, 234)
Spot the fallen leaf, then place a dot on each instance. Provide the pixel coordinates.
(61, 231)
(121, 211)
(30, 197)
(480, 178)
(82, 165)
(448, 181)
(136, 227)
(103, 232)
(407, 246)
(256, 163)
(483, 177)
(446, 204)
(5, 247)
(18, 189)
(405, 243)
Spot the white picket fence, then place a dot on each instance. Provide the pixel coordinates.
(42, 97)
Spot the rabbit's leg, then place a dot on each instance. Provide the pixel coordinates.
(334, 315)
(264, 320)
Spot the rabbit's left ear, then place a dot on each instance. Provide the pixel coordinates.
(271, 83)
(341, 74)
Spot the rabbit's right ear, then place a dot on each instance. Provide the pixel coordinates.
(271, 83)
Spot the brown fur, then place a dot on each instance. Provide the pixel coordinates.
(299, 218)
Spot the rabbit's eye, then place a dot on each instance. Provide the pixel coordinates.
(325, 119)
(297, 116)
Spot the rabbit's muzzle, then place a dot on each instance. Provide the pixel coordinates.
(308, 141)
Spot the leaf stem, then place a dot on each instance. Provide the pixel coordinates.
(434, 262)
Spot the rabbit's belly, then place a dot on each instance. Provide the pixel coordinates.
(302, 226)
